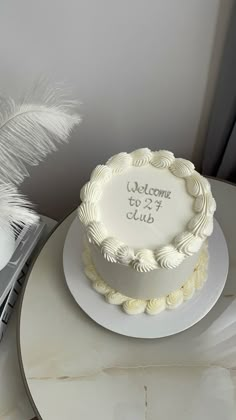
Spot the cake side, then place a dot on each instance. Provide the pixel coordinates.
(142, 285)
(154, 305)
(138, 207)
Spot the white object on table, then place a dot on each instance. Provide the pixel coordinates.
(14, 402)
(168, 322)
(7, 245)
(76, 369)
(13, 274)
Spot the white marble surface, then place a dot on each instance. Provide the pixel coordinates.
(76, 369)
(14, 401)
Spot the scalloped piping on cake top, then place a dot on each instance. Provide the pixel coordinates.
(150, 306)
(183, 245)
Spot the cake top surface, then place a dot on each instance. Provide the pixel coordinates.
(147, 209)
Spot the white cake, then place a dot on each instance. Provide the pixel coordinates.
(146, 216)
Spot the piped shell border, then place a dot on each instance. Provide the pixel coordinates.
(183, 245)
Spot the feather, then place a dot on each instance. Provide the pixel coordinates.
(15, 208)
(30, 130)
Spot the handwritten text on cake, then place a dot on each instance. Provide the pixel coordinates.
(144, 201)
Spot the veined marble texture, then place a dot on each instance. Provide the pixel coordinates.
(14, 401)
(139, 394)
(76, 369)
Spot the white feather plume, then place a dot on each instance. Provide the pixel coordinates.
(15, 208)
(30, 130)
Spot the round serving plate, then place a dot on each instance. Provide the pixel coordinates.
(168, 322)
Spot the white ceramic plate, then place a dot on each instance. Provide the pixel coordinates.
(168, 322)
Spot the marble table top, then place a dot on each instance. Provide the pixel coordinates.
(74, 368)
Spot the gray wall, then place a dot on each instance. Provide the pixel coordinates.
(140, 67)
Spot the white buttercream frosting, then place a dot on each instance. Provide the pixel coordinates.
(101, 174)
(197, 184)
(109, 248)
(211, 204)
(91, 191)
(162, 159)
(182, 168)
(155, 306)
(200, 272)
(125, 255)
(96, 232)
(101, 287)
(115, 298)
(201, 225)
(189, 288)
(187, 243)
(91, 272)
(171, 254)
(199, 203)
(205, 203)
(150, 306)
(86, 257)
(88, 212)
(199, 279)
(168, 257)
(120, 163)
(141, 157)
(144, 261)
(174, 299)
(134, 306)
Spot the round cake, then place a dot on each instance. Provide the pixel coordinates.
(147, 216)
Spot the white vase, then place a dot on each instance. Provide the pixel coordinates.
(7, 245)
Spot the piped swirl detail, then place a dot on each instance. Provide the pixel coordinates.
(87, 212)
(168, 257)
(144, 261)
(197, 184)
(91, 191)
(141, 157)
(101, 174)
(182, 168)
(150, 306)
(96, 232)
(119, 163)
(162, 159)
(109, 248)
